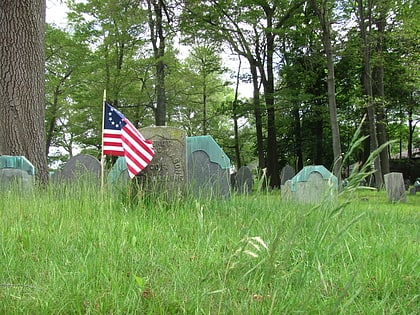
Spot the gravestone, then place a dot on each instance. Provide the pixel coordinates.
(286, 191)
(208, 168)
(118, 175)
(167, 172)
(16, 172)
(312, 185)
(394, 185)
(80, 167)
(287, 173)
(417, 184)
(243, 180)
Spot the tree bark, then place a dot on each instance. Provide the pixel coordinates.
(364, 21)
(268, 83)
(297, 137)
(157, 37)
(257, 114)
(379, 93)
(323, 15)
(235, 119)
(22, 82)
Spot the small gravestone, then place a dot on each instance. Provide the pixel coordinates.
(118, 175)
(394, 185)
(167, 172)
(313, 185)
(16, 172)
(286, 191)
(243, 180)
(417, 184)
(208, 168)
(287, 173)
(79, 167)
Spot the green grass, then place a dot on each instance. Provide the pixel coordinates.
(77, 251)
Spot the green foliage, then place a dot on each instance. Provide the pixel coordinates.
(107, 46)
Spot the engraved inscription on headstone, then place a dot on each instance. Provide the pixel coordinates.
(167, 170)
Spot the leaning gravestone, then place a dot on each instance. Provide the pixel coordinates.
(80, 167)
(208, 168)
(287, 173)
(394, 185)
(312, 185)
(243, 180)
(167, 172)
(16, 172)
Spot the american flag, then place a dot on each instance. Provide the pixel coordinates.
(121, 138)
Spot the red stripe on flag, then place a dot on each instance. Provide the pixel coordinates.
(128, 142)
(138, 152)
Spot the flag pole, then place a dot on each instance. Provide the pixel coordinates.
(102, 146)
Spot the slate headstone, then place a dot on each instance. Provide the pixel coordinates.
(167, 172)
(287, 173)
(208, 168)
(244, 180)
(118, 175)
(286, 191)
(80, 167)
(313, 184)
(394, 185)
(16, 172)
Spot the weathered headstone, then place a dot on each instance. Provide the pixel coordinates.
(118, 175)
(16, 172)
(80, 167)
(244, 180)
(286, 191)
(167, 172)
(208, 168)
(394, 185)
(312, 185)
(417, 184)
(287, 173)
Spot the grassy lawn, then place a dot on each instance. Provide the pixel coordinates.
(77, 251)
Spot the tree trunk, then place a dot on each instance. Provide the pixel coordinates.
(235, 119)
(268, 83)
(379, 93)
(323, 15)
(335, 131)
(157, 38)
(367, 90)
(411, 129)
(22, 82)
(257, 114)
(298, 137)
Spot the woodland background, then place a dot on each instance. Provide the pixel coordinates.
(165, 62)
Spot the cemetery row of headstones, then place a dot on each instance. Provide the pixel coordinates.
(196, 164)
(180, 163)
